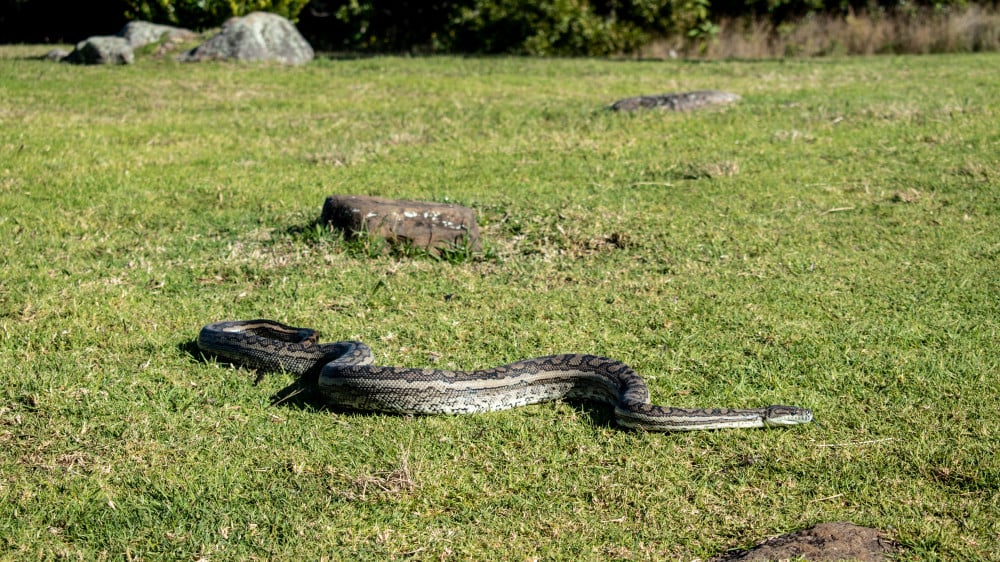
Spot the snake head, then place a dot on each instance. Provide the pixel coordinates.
(777, 416)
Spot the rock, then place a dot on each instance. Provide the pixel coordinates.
(139, 33)
(429, 226)
(685, 101)
(55, 55)
(102, 49)
(824, 542)
(258, 36)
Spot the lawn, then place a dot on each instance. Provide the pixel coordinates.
(831, 241)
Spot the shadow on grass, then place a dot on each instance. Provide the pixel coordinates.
(303, 394)
(192, 349)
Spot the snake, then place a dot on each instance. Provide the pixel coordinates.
(347, 378)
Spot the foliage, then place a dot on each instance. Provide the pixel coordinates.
(575, 27)
(397, 25)
(68, 21)
(568, 27)
(202, 14)
(546, 27)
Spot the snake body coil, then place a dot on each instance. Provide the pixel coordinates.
(348, 378)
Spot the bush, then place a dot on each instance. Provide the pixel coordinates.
(544, 27)
(65, 21)
(537, 27)
(554, 27)
(379, 26)
(203, 14)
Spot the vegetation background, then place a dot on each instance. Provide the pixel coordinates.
(658, 28)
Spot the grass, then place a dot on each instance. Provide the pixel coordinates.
(831, 241)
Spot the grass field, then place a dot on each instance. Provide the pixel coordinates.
(831, 241)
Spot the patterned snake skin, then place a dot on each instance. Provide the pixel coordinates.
(348, 378)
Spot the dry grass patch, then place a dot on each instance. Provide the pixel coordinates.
(973, 29)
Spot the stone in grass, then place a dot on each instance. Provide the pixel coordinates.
(685, 101)
(825, 541)
(428, 226)
(101, 49)
(258, 36)
(55, 55)
(139, 33)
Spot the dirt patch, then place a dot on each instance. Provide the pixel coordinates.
(826, 542)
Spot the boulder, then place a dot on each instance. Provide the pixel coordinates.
(429, 226)
(139, 33)
(258, 36)
(685, 101)
(55, 55)
(102, 49)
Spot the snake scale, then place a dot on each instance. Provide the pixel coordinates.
(346, 377)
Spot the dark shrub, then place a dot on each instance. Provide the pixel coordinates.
(203, 14)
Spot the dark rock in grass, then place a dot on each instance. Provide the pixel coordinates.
(139, 33)
(428, 226)
(102, 49)
(685, 101)
(55, 55)
(824, 542)
(258, 36)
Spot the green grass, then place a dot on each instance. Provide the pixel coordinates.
(831, 241)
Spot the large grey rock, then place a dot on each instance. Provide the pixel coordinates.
(102, 49)
(685, 101)
(259, 36)
(429, 226)
(139, 33)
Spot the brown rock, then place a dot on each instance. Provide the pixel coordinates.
(824, 542)
(429, 226)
